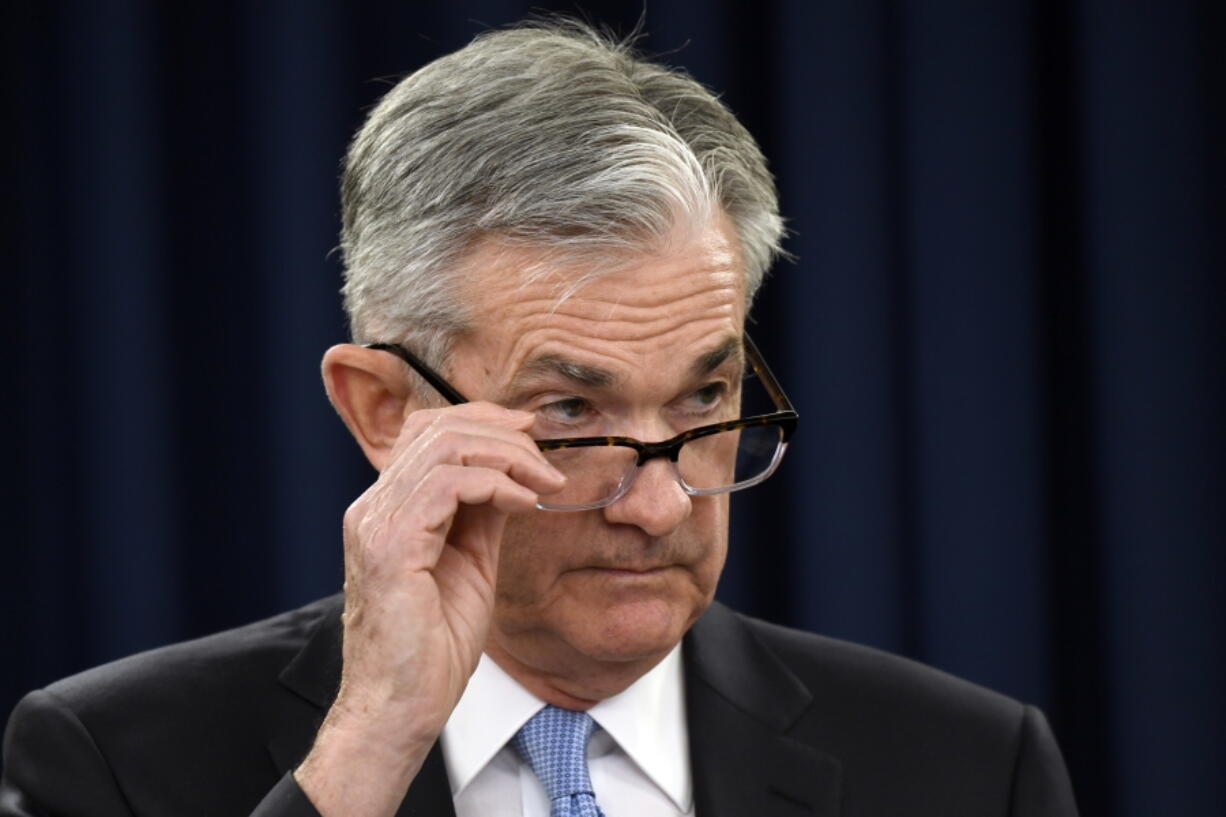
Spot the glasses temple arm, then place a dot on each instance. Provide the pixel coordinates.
(764, 372)
(418, 365)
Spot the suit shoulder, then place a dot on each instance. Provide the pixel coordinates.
(847, 671)
(211, 665)
(908, 738)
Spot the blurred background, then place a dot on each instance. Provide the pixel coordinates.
(1005, 330)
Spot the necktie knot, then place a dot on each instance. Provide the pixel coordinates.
(554, 743)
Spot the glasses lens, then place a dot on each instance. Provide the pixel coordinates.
(592, 473)
(729, 458)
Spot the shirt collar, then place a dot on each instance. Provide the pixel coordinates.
(647, 720)
(489, 713)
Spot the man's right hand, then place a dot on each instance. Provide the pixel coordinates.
(421, 563)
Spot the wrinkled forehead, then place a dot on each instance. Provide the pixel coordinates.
(651, 311)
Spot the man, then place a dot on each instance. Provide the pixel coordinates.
(551, 246)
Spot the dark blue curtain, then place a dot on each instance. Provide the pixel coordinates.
(1005, 332)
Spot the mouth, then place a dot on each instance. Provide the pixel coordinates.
(630, 571)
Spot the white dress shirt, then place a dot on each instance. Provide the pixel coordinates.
(638, 758)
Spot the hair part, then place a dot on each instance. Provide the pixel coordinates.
(550, 135)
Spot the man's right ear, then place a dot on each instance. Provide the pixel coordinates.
(370, 391)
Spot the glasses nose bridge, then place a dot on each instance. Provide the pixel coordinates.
(651, 451)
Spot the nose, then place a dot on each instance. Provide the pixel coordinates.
(655, 502)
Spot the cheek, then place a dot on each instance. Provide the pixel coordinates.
(711, 520)
(532, 556)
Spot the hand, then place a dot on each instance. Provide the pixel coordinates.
(421, 560)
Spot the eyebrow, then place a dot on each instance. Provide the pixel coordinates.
(580, 373)
(595, 377)
(729, 350)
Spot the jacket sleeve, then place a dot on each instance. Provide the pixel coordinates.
(285, 800)
(53, 768)
(1041, 785)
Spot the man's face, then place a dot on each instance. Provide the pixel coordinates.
(622, 583)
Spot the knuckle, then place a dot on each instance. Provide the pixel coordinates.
(356, 512)
(528, 442)
(437, 480)
(421, 420)
(446, 438)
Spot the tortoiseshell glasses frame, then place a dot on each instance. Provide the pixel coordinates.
(784, 417)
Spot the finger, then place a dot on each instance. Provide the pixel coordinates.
(506, 423)
(478, 486)
(401, 483)
(480, 429)
(436, 499)
(420, 448)
(472, 447)
(463, 442)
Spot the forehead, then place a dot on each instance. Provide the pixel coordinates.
(655, 312)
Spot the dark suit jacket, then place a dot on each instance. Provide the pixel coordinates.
(781, 723)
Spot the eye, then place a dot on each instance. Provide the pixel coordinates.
(706, 398)
(569, 410)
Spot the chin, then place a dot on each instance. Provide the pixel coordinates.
(634, 631)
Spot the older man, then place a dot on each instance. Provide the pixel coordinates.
(551, 246)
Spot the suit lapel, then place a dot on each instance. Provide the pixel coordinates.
(741, 701)
(315, 675)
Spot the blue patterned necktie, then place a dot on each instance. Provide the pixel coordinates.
(554, 743)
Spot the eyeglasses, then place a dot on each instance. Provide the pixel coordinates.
(710, 459)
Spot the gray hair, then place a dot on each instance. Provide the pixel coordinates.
(550, 135)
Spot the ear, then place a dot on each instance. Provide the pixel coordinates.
(370, 391)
